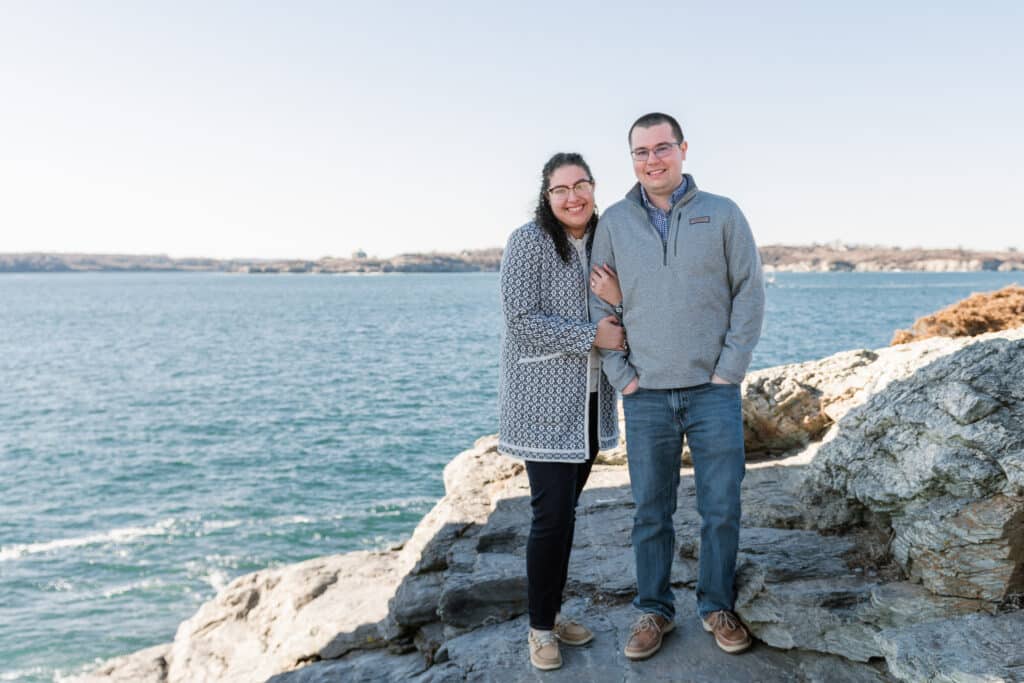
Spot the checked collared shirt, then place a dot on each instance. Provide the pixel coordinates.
(659, 218)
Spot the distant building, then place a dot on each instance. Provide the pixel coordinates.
(358, 255)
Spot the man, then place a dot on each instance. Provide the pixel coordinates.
(693, 303)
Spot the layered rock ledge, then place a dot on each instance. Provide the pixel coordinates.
(883, 539)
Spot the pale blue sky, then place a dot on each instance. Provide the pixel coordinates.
(308, 129)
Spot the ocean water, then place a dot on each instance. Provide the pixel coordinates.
(161, 434)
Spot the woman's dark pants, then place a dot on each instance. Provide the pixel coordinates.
(554, 491)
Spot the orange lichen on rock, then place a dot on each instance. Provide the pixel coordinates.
(977, 314)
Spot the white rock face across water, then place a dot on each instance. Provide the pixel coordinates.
(893, 525)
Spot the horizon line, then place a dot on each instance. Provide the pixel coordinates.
(832, 245)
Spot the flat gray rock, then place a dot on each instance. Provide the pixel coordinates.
(495, 590)
(796, 590)
(498, 653)
(972, 649)
(416, 600)
(358, 667)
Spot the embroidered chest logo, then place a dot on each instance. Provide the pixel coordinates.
(700, 219)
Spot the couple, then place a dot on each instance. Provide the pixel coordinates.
(678, 270)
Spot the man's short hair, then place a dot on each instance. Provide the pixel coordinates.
(654, 119)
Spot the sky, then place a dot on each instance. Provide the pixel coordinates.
(311, 129)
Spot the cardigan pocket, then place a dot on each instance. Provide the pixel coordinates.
(538, 359)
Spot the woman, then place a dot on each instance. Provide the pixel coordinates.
(556, 407)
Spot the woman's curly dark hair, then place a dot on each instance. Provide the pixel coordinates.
(544, 217)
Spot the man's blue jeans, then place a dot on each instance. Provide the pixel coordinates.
(710, 417)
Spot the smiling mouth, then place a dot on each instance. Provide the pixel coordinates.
(575, 209)
(656, 172)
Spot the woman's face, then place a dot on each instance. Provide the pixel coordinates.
(572, 209)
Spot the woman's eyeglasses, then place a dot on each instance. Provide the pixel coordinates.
(561, 192)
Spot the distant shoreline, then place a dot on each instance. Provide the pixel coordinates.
(776, 258)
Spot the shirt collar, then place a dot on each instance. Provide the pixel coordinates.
(677, 194)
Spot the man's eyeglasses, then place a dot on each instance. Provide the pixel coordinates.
(661, 151)
(561, 192)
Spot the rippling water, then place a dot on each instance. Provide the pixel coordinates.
(164, 433)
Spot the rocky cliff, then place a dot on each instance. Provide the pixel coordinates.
(838, 257)
(468, 260)
(883, 539)
(835, 257)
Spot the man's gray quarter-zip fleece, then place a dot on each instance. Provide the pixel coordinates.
(693, 305)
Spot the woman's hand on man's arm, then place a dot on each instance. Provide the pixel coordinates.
(604, 282)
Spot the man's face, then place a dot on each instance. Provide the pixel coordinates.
(658, 175)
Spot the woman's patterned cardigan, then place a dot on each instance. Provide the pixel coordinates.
(543, 396)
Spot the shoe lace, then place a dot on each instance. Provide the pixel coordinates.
(645, 623)
(724, 620)
(539, 641)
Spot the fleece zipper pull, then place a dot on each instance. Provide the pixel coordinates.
(675, 242)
